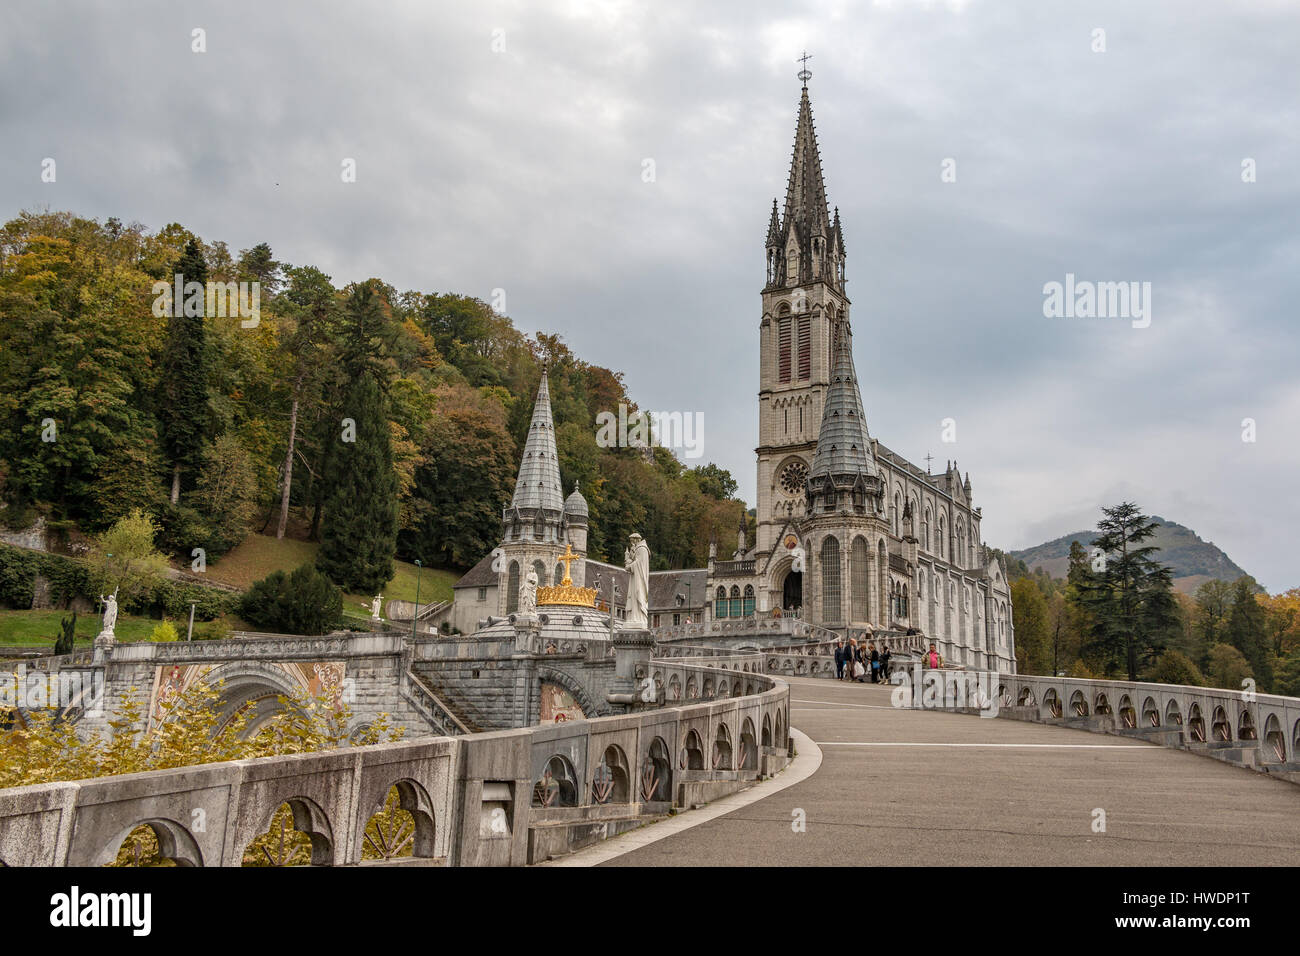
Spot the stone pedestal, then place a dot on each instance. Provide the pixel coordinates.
(105, 641)
(631, 647)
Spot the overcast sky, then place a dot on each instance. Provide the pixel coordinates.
(501, 145)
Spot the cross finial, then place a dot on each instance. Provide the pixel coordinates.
(566, 559)
(928, 458)
(805, 74)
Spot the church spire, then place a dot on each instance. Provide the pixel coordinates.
(538, 485)
(843, 445)
(805, 194)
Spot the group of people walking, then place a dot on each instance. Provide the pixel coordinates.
(861, 662)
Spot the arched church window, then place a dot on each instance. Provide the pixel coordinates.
(735, 602)
(748, 607)
(512, 588)
(720, 603)
(783, 347)
(830, 570)
(859, 580)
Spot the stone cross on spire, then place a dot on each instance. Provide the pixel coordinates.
(805, 74)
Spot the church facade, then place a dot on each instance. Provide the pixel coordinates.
(849, 535)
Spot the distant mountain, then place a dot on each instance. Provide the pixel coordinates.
(1194, 560)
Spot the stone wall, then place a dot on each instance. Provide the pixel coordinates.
(492, 799)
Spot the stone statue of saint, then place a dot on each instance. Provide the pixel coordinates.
(636, 559)
(110, 612)
(375, 605)
(528, 593)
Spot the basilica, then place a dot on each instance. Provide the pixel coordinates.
(848, 535)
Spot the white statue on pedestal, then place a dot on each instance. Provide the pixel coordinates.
(528, 593)
(375, 605)
(636, 559)
(110, 613)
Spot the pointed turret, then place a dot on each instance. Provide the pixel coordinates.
(774, 227)
(538, 485)
(844, 460)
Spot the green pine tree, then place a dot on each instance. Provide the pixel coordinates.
(1130, 595)
(360, 531)
(1247, 631)
(183, 412)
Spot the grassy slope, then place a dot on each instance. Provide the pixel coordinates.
(253, 560)
(42, 627)
(261, 554)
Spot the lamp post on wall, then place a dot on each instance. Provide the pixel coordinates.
(415, 618)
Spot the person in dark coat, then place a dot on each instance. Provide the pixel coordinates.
(839, 660)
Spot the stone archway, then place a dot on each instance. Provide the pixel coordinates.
(251, 688)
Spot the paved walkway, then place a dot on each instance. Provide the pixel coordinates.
(904, 787)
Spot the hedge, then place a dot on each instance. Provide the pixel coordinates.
(70, 578)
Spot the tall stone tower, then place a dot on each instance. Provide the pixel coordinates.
(804, 304)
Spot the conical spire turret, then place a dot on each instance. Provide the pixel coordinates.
(843, 445)
(538, 484)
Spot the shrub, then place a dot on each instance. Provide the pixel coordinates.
(164, 633)
(66, 640)
(304, 602)
(1174, 667)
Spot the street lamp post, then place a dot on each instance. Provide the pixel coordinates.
(415, 619)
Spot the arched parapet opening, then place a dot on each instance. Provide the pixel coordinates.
(1150, 713)
(767, 730)
(157, 841)
(1026, 697)
(1246, 725)
(1127, 712)
(1196, 723)
(692, 752)
(722, 749)
(1220, 726)
(402, 824)
(1101, 705)
(1052, 703)
(1274, 740)
(656, 780)
(778, 730)
(610, 780)
(557, 786)
(1078, 704)
(1173, 713)
(297, 833)
(747, 758)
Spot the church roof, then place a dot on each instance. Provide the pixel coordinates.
(538, 484)
(843, 445)
(481, 575)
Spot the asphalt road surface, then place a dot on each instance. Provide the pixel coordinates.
(905, 787)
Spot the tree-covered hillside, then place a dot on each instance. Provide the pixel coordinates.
(218, 426)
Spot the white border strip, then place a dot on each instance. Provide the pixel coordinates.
(808, 758)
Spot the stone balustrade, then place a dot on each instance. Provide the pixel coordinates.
(489, 799)
(1259, 731)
